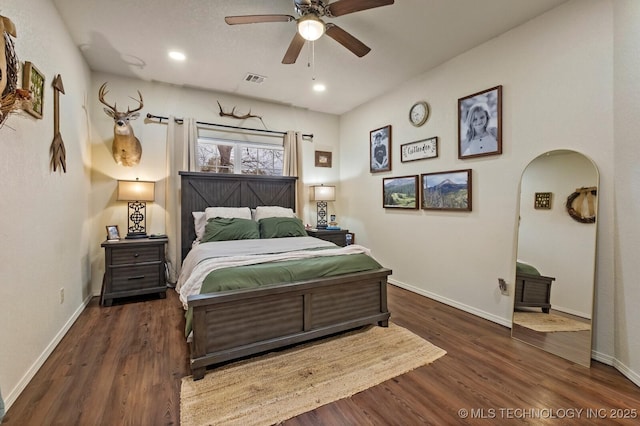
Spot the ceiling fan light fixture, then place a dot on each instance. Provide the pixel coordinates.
(310, 27)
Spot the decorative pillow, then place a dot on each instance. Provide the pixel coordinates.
(279, 227)
(224, 229)
(199, 221)
(272, 211)
(228, 212)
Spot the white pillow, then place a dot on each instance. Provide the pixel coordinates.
(228, 212)
(273, 211)
(199, 221)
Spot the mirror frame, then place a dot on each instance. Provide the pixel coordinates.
(573, 346)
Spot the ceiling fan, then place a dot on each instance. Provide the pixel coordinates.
(311, 26)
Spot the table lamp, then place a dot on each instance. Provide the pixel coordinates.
(137, 193)
(321, 194)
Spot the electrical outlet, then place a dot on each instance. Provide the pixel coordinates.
(504, 288)
(61, 295)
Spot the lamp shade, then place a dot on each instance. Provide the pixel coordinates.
(323, 193)
(136, 190)
(310, 27)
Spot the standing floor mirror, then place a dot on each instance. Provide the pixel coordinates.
(556, 254)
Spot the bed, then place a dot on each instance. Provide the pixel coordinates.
(533, 290)
(232, 324)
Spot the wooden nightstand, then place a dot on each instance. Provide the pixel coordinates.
(133, 267)
(337, 237)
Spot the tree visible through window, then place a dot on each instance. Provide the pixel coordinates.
(217, 156)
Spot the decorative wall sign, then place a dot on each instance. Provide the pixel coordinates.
(419, 150)
(33, 81)
(543, 200)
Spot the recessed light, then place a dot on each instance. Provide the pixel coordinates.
(177, 56)
(319, 87)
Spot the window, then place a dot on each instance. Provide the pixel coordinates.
(249, 158)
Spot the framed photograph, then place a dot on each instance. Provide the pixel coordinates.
(400, 192)
(33, 80)
(480, 124)
(419, 150)
(323, 159)
(380, 149)
(113, 234)
(446, 190)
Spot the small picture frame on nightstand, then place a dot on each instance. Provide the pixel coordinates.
(113, 234)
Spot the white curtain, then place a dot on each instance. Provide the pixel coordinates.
(292, 166)
(181, 146)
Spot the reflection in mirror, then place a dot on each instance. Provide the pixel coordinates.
(555, 267)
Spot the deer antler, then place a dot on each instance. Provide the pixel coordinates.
(233, 114)
(101, 94)
(141, 102)
(103, 91)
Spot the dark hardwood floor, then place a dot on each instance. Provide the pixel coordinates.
(122, 365)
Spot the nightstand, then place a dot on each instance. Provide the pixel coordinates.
(132, 268)
(337, 237)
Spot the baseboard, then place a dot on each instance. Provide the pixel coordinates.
(598, 356)
(31, 372)
(453, 303)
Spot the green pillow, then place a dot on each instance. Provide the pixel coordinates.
(278, 227)
(223, 229)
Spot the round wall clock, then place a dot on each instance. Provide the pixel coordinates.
(419, 113)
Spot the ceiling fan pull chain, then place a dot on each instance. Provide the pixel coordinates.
(313, 60)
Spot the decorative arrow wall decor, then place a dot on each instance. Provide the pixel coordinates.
(58, 151)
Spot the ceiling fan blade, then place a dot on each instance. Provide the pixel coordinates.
(343, 7)
(294, 49)
(347, 40)
(257, 19)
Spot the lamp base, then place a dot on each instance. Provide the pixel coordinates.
(136, 235)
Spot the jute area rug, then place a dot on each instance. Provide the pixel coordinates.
(539, 321)
(277, 386)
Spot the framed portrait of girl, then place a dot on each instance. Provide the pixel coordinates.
(480, 124)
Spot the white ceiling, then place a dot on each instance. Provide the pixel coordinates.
(132, 38)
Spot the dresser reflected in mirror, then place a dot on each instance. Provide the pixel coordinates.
(556, 254)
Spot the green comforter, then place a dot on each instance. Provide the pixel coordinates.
(523, 268)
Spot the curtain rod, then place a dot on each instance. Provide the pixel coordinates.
(180, 121)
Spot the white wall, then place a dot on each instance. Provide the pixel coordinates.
(557, 78)
(627, 180)
(44, 219)
(164, 100)
(551, 240)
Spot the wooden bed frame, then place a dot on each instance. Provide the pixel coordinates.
(234, 324)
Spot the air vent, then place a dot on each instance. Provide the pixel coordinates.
(254, 78)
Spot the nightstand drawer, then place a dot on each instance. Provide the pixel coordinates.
(133, 255)
(139, 277)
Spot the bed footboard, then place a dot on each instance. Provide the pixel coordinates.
(235, 324)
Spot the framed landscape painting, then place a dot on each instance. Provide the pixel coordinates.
(400, 192)
(446, 190)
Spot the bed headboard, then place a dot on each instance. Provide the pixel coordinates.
(201, 190)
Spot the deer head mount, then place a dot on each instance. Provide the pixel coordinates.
(126, 147)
